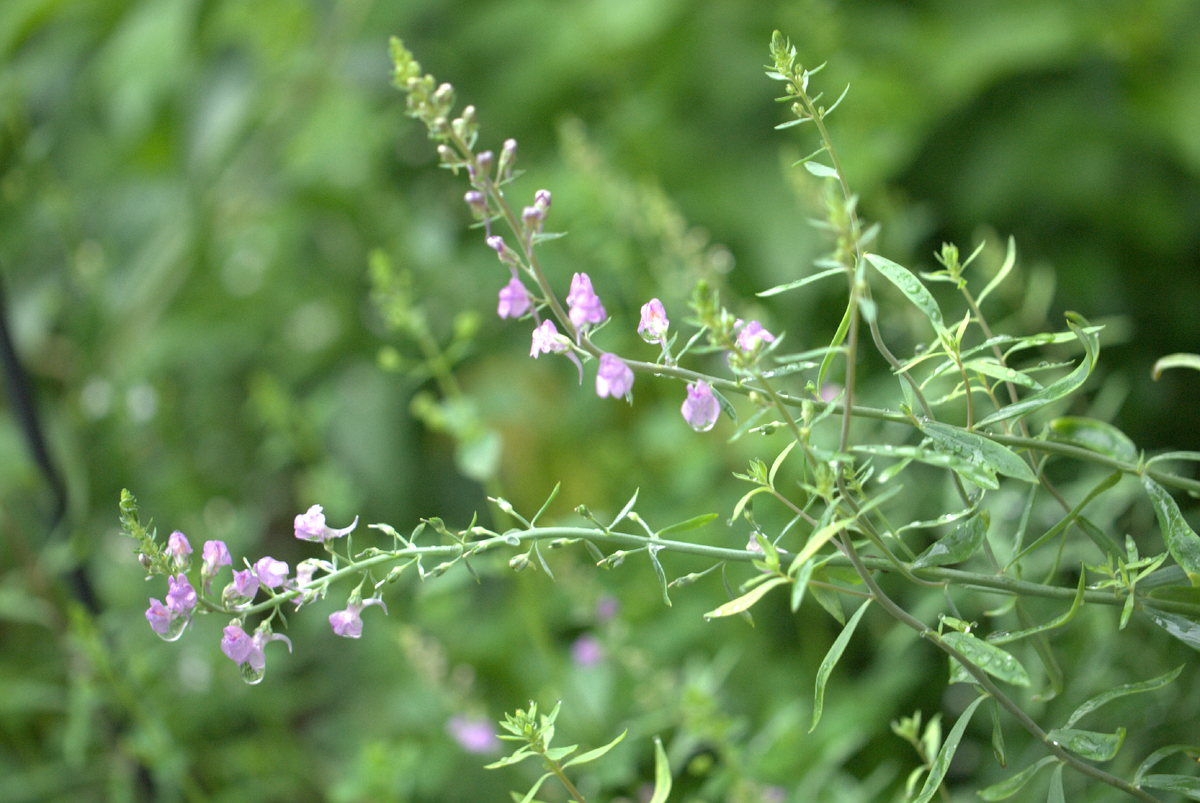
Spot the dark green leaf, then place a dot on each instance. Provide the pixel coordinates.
(1121, 691)
(937, 770)
(978, 475)
(1181, 627)
(1010, 786)
(1093, 435)
(960, 544)
(988, 657)
(1091, 745)
(912, 287)
(830, 661)
(1186, 785)
(978, 450)
(1182, 541)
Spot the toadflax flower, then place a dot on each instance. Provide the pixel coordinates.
(247, 651)
(179, 549)
(348, 623)
(613, 377)
(585, 306)
(654, 323)
(310, 526)
(181, 597)
(514, 300)
(700, 408)
(752, 336)
(242, 589)
(270, 572)
(215, 555)
(546, 339)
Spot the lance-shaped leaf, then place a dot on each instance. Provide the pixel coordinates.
(978, 450)
(831, 659)
(1158, 755)
(1181, 627)
(1010, 786)
(1175, 361)
(1182, 541)
(1091, 745)
(662, 774)
(1063, 387)
(1093, 435)
(1122, 691)
(783, 288)
(912, 287)
(977, 474)
(652, 551)
(1009, 260)
(988, 657)
(747, 600)
(1186, 785)
(960, 544)
(592, 755)
(937, 770)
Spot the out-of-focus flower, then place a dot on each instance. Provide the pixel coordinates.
(514, 300)
(653, 325)
(160, 617)
(348, 623)
(587, 651)
(585, 306)
(475, 735)
(752, 336)
(613, 377)
(700, 408)
(271, 572)
(547, 339)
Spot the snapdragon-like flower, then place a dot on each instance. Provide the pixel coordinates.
(179, 549)
(507, 255)
(181, 597)
(270, 572)
(585, 306)
(164, 621)
(654, 323)
(700, 408)
(546, 339)
(613, 377)
(348, 623)
(752, 336)
(514, 300)
(310, 526)
(247, 651)
(215, 555)
(242, 589)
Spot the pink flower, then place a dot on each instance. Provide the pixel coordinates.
(215, 555)
(753, 336)
(159, 616)
(247, 651)
(237, 645)
(271, 572)
(700, 408)
(514, 300)
(585, 306)
(654, 323)
(546, 339)
(242, 589)
(613, 377)
(348, 623)
(310, 526)
(179, 549)
(181, 597)
(587, 651)
(474, 735)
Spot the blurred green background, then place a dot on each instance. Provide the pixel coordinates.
(190, 192)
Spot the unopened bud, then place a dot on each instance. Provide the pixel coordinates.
(519, 562)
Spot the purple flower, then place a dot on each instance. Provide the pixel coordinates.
(247, 651)
(587, 651)
(613, 377)
(478, 203)
(474, 735)
(546, 339)
(310, 526)
(514, 300)
(700, 408)
(607, 607)
(239, 646)
(654, 323)
(181, 597)
(242, 589)
(506, 254)
(348, 623)
(753, 336)
(271, 572)
(179, 549)
(159, 616)
(215, 555)
(585, 306)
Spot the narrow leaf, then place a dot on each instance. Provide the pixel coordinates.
(778, 462)
(1009, 260)
(1181, 627)
(1063, 387)
(976, 474)
(1089, 744)
(1121, 691)
(1009, 787)
(1158, 755)
(1182, 541)
(960, 544)
(989, 367)
(691, 524)
(533, 791)
(831, 659)
(662, 774)
(820, 170)
(1056, 622)
(801, 584)
(835, 345)
(1175, 361)
(747, 600)
(652, 551)
(1186, 785)
(937, 770)
(912, 287)
(988, 657)
(592, 755)
(1056, 794)
(783, 288)
(978, 450)
(624, 511)
(1068, 519)
(1093, 435)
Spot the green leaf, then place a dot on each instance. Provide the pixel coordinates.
(937, 770)
(1182, 541)
(988, 657)
(997, 734)
(662, 774)
(1158, 755)
(1181, 627)
(820, 170)
(1010, 786)
(1072, 515)
(620, 516)
(559, 753)
(802, 578)
(747, 600)
(1175, 361)
(979, 475)
(960, 544)
(592, 755)
(989, 367)
(691, 524)
(779, 462)
(1186, 785)
(831, 659)
(1055, 794)
(835, 345)
(1009, 260)
(783, 288)
(533, 791)
(652, 551)
(1089, 744)
(1056, 622)
(912, 287)
(1063, 387)
(1121, 691)
(1093, 435)
(978, 450)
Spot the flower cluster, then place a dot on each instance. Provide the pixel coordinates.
(170, 618)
